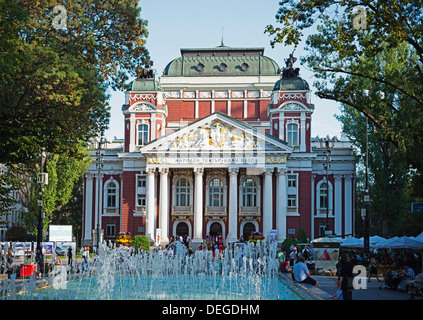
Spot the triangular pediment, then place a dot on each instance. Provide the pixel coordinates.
(217, 132)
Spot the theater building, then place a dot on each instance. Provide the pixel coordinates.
(221, 144)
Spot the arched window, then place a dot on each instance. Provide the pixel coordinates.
(182, 192)
(323, 196)
(216, 193)
(249, 193)
(111, 195)
(292, 134)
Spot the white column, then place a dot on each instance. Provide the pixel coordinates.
(150, 223)
(198, 206)
(88, 222)
(303, 132)
(164, 205)
(281, 203)
(233, 204)
(282, 126)
(348, 204)
(132, 132)
(267, 202)
(153, 127)
(313, 209)
(338, 204)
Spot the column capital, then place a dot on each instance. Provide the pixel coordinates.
(198, 171)
(348, 177)
(337, 177)
(164, 171)
(233, 171)
(268, 171)
(281, 171)
(150, 171)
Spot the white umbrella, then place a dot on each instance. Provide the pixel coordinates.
(402, 243)
(352, 242)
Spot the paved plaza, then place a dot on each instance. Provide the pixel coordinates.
(375, 290)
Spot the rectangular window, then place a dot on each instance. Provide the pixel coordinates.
(141, 200)
(292, 134)
(142, 134)
(292, 181)
(292, 200)
(141, 181)
(110, 229)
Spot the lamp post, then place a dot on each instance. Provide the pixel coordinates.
(366, 231)
(42, 179)
(366, 235)
(327, 144)
(99, 163)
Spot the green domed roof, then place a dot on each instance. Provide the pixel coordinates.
(146, 84)
(291, 83)
(221, 61)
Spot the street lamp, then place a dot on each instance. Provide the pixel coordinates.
(327, 144)
(100, 143)
(42, 180)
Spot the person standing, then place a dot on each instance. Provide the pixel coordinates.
(70, 257)
(346, 277)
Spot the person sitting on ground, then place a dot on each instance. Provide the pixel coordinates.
(407, 276)
(338, 294)
(412, 285)
(301, 274)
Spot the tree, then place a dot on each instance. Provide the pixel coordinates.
(53, 81)
(389, 174)
(349, 38)
(63, 176)
(71, 212)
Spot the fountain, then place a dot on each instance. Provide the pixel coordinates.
(248, 272)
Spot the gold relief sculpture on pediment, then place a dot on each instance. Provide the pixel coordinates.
(215, 136)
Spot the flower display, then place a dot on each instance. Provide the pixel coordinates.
(124, 239)
(256, 236)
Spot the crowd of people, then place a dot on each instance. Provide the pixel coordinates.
(405, 268)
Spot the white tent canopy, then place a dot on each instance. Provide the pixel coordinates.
(353, 242)
(401, 243)
(327, 240)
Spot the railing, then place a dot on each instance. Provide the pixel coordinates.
(182, 211)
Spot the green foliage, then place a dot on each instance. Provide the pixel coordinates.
(141, 240)
(286, 244)
(348, 60)
(53, 88)
(53, 81)
(18, 233)
(302, 236)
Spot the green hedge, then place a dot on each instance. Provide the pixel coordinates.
(140, 240)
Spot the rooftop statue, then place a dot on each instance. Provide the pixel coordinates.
(146, 72)
(289, 71)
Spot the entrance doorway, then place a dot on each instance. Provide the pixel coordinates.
(182, 229)
(215, 229)
(248, 228)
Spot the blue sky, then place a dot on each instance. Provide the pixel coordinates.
(176, 24)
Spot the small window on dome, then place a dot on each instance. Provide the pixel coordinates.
(200, 67)
(244, 66)
(222, 67)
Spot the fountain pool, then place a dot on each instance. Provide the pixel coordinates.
(242, 273)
